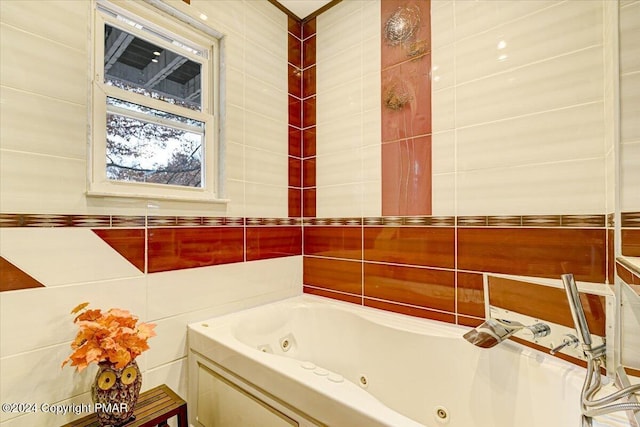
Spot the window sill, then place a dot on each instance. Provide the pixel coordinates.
(169, 197)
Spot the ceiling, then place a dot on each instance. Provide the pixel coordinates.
(303, 8)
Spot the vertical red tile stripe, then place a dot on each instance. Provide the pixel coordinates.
(406, 110)
(309, 117)
(295, 200)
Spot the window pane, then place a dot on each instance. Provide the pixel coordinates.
(146, 145)
(136, 65)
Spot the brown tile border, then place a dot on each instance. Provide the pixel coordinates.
(630, 219)
(132, 221)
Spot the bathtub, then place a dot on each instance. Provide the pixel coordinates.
(314, 361)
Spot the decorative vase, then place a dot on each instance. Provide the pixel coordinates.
(115, 393)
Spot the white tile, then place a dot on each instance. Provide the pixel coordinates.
(443, 152)
(52, 381)
(266, 133)
(551, 136)
(338, 13)
(234, 124)
(630, 354)
(572, 187)
(233, 45)
(473, 17)
(234, 191)
(61, 129)
(371, 129)
(559, 82)
(371, 55)
(63, 21)
(370, 14)
(339, 200)
(223, 15)
(263, 65)
(340, 101)
(372, 198)
(371, 92)
(174, 375)
(234, 161)
(443, 110)
(262, 200)
(343, 67)
(630, 38)
(23, 177)
(271, 35)
(53, 323)
(371, 156)
(266, 100)
(442, 68)
(630, 177)
(269, 11)
(443, 199)
(442, 23)
(234, 87)
(24, 56)
(182, 291)
(46, 254)
(630, 107)
(266, 167)
(610, 185)
(344, 167)
(343, 133)
(568, 26)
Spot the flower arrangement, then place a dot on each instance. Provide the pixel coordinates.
(114, 336)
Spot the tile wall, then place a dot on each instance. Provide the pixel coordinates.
(629, 12)
(523, 170)
(171, 263)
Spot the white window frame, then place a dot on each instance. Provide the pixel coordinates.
(98, 183)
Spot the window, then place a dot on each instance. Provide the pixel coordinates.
(154, 95)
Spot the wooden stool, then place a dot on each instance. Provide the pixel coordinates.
(154, 408)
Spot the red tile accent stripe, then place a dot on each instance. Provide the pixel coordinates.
(410, 310)
(470, 294)
(337, 242)
(630, 242)
(535, 252)
(424, 246)
(423, 287)
(545, 302)
(179, 248)
(127, 242)
(273, 242)
(331, 274)
(353, 299)
(12, 278)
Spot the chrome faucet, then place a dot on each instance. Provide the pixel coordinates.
(493, 331)
(625, 398)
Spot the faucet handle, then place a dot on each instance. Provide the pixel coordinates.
(538, 330)
(569, 340)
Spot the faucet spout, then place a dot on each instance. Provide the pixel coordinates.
(493, 331)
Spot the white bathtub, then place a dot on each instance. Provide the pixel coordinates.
(346, 365)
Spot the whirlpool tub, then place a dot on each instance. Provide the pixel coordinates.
(311, 361)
